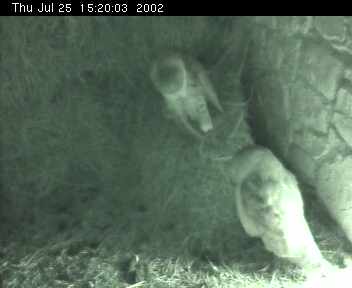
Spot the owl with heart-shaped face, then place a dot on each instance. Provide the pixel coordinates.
(186, 88)
(270, 206)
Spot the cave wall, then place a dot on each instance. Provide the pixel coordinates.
(298, 74)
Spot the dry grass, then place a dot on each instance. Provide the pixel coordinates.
(123, 258)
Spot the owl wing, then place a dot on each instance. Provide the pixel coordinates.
(177, 110)
(209, 90)
(200, 76)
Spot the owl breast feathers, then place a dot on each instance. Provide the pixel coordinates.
(270, 206)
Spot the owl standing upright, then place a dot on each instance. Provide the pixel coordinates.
(270, 206)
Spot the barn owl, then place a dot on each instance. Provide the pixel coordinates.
(270, 206)
(186, 89)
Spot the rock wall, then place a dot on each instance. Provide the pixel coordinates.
(298, 76)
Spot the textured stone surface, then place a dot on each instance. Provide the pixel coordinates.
(333, 144)
(331, 27)
(283, 54)
(310, 127)
(347, 75)
(311, 143)
(308, 110)
(334, 186)
(273, 96)
(344, 101)
(321, 69)
(343, 125)
(302, 163)
(267, 21)
(294, 24)
(279, 134)
(346, 47)
(256, 59)
(348, 42)
(273, 99)
(274, 50)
